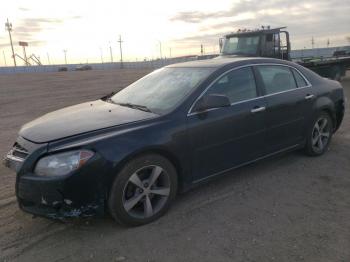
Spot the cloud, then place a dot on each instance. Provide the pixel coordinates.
(76, 17)
(28, 28)
(196, 16)
(240, 7)
(198, 39)
(304, 19)
(23, 9)
(37, 43)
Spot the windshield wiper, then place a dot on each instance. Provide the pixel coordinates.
(139, 107)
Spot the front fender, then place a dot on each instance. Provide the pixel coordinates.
(117, 146)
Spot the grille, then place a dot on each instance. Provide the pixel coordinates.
(19, 151)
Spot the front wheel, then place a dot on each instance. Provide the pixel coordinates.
(143, 190)
(319, 135)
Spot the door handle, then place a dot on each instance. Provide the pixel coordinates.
(308, 96)
(258, 109)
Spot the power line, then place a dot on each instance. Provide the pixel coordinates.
(8, 27)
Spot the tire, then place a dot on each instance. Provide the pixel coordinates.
(319, 135)
(336, 73)
(143, 190)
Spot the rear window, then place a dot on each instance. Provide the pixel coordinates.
(276, 78)
(299, 79)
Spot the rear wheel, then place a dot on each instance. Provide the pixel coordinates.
(143, 190)
(337, 72)
(319, 135)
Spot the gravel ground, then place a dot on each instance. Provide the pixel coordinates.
(289, 208)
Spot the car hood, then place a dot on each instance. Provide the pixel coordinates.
(80, 119)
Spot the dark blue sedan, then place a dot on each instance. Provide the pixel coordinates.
(133, 151)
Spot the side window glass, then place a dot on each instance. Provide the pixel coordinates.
(299, 79)
(237, 85)
(276, 78)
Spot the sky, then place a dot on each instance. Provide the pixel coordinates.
(87, 29)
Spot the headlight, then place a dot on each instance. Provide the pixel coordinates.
(63, 163)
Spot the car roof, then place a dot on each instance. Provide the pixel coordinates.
(223, 61)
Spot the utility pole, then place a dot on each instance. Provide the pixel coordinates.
(8, 27)
(48, 59)
(25, 55)
(65, 55)
(160, 50)
(24, 45)
(312, 42)
(3, 53)
(111, 52)
(121, 51)
(101, 55)
(328, 42)
(202, 51)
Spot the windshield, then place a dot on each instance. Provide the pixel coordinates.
(242, 45)
(161, 90)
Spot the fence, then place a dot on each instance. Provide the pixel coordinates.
(96, 66)
(295, 54)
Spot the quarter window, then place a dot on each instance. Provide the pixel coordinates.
(276, 78)
(299, 79)
(238, 85)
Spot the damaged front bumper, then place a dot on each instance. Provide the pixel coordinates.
(50, 198)
(79, 194)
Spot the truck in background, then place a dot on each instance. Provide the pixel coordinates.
(275, 43)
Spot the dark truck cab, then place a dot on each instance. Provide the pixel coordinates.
(275, 43)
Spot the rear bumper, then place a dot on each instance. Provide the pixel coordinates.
(340, 111)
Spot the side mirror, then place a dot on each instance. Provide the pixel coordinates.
(211, 101)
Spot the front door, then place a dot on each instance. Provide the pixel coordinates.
(226, 137)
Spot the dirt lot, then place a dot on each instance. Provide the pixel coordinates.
(290, 208)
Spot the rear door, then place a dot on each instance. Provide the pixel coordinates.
(288, 101)
(225, 137)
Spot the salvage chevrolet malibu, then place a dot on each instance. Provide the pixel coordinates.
(131, 152)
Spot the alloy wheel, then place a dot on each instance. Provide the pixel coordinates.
(146, 192)
(320, 134)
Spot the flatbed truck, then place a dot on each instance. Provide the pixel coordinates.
(275, 43)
